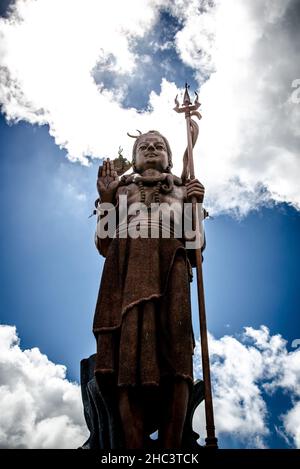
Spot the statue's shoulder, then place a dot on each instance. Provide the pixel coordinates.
(179, 188)
(178, 181)
(127, 183)
(127, 179)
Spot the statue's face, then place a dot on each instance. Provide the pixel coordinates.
(151, 153)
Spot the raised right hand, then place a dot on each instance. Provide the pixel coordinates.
(107, 182)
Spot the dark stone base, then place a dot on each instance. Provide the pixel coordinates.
(102, 417)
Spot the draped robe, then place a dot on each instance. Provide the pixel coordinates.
(142, 321)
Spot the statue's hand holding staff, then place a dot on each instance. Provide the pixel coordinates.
(195, 190)
(107, 182)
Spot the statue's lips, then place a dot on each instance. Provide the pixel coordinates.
(151, 155)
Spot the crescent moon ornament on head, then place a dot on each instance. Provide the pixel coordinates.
(134, 136)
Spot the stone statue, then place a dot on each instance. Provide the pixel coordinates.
(142, 322)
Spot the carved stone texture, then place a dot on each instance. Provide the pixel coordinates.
(102, 417)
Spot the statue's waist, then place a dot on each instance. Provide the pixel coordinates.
(149, 227)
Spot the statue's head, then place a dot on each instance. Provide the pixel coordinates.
(151, 151)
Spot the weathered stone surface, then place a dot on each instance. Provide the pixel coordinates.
(102, 418)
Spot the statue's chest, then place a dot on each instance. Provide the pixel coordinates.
(151, 194)
(165, 208)
(148, 195)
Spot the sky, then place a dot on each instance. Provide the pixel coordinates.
(74, 79)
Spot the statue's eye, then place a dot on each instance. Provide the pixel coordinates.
(159, 147)
(143, 147)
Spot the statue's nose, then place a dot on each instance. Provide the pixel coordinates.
(151, 147)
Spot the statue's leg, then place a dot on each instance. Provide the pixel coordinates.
(174, 401)
(132, 418)
(175, 341)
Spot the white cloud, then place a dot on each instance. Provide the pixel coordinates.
(48, 50)
(250, 127)
(249, 134)
(39, 407)
(242, 372)
(291, 423)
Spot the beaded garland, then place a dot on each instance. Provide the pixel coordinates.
(155, 198)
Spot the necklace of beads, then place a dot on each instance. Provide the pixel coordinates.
(155, 197)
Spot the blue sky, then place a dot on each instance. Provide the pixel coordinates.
(50, 269)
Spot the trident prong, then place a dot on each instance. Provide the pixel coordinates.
(187, 105)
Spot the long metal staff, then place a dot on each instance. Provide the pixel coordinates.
(190, 110)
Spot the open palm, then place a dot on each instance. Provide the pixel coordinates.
(108, 181)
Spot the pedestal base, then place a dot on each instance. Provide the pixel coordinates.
(102, 416)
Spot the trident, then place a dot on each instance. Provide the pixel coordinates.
(192, 128)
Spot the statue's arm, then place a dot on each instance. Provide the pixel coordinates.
(107, 182)
(107, 206)
(194, 190)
